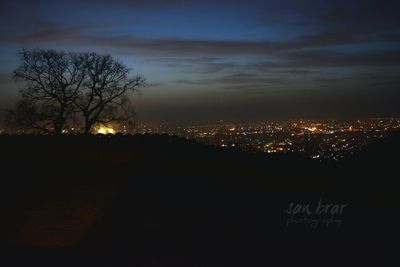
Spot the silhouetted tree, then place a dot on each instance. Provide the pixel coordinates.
(52, 81)
(104, 97)
(60, 86)
(30, 116)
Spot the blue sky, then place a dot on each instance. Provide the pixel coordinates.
(233, 60)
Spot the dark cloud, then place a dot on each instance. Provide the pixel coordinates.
(144, 3)
(332, 14)
(246, 83)
(52, 34)
(186, 47)
(204, 65)
(247, 78)
(238, 78)
(364, 15)
(336, 59)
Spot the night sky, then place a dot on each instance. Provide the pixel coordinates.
(233, 60)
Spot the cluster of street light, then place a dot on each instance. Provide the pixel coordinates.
(323, 140)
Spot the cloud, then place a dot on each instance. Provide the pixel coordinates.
(144, 3)
(335, 59)
(238, 78)
(240, 82)
(178, 48)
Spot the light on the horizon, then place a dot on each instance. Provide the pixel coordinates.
(105, 130)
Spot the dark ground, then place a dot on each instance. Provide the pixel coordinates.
(166, 201)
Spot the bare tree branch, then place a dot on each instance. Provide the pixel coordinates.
(104, 93)
(60, 85)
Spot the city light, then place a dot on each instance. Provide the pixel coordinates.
(105, 130)
(322, 140)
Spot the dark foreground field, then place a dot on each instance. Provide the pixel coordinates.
(165, 201)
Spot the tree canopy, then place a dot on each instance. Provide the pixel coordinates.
(63, 89)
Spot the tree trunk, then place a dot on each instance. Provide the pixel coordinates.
(57, 129)
(88, 127)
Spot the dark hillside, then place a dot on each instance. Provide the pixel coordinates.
(166, 201)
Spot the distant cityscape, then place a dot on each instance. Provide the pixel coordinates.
(320, 140)
(317, 139)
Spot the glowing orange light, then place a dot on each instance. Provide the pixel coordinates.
(312, 129)
(105, 130)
